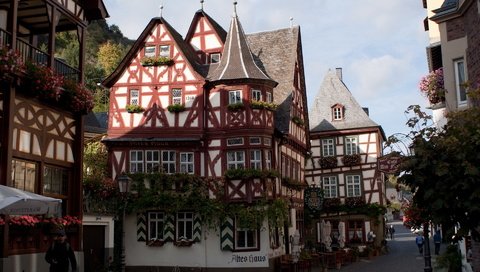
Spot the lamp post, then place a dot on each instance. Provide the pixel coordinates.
(427, 256)
(123, 185)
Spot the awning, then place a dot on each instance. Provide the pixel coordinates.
(17, 202)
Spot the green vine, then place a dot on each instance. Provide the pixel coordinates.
(249, 173)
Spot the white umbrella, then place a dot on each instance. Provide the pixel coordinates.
(17, 202)
(322, 231)
(341, 236)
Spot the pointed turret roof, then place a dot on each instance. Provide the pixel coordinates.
(237, 61)
(334, 92)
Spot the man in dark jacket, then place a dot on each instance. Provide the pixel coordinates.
(60, 254)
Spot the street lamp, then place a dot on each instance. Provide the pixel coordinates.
(427, 256)
(123, 185)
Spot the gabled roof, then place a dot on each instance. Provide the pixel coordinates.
(332, 92)
(276, 52)
(237, 61)
(183, 47)
(216, 27)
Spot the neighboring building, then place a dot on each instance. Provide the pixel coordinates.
(202, 108)
(345, 145)
(41, 126)
(458, 37)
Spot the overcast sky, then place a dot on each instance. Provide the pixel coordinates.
(380, 44)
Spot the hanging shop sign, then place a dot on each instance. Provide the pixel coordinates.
(313, 198)
(390, 163)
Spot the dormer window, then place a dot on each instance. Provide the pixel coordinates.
(337, 112)
(149, 51)
(215, 58)
(165, 51)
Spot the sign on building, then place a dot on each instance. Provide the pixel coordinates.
(313, 197)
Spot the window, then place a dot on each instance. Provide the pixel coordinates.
(337, 113)
(215, 58)
(328, 147)
(269, 97)
(330, 187)
(176, 96)
(234, 141)
(268, 159)
(235, 160)
(355, 231)
(23, 175)
(136, 161)
(156, 225)
(351, 145)
(256, 159)
(165, 51)
(149, 51)
(186, 162)
(257, 95)
(152, 162)
(168, 161)
(55, 180)
(267, 141)
(255, 140)
(234, 97)
(460, 81)
(134, 95)
(245, 239)
(353, 186)
(185, 225)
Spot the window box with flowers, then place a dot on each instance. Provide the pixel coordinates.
(52, 224)
(299, 121)
(176, 108)
(256, 104)
(133, 108)
(432, 86)
(328, 162)
(183, 242)
(351, 160)
(155, 243)
(156, 61)
(236, 106)
(352, 202)
(11, 64)
(331, 204)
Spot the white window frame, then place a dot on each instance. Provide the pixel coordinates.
(152, 161)
(337, 113)
(351, 145)
(242, 238)
(269, 97)
(460, 79)
(158, 223)
(256, 95)
(149, 51)
(234, 141)
(163, 52)
(235, 160)
(184, 226)
(187, 162)
(169, 162)
(256, 159)
(234, 97)
(214, 57)
(353, 185)
(134, 97)
(176, 96)
(136, 161)
(268, 159)
(330, 187)
(328, 147)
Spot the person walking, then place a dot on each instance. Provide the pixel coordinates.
(391, 230)
(437, 239)
(60, 254)
(419, 241)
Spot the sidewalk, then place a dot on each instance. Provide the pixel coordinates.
(403, 255)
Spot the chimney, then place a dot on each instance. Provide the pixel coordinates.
(339, 73)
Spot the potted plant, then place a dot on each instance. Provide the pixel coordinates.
(432, 86)
(176, 108)
(10, 63)
(328, 162)
(134, 108)
(351, 160)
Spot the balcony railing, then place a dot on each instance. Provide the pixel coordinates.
(30, 53)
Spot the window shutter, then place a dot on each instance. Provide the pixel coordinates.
(197, 228)
(226, 234)
(169, 232)
(141, 227)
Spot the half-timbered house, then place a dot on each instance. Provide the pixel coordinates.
(222, 107)
(41, 127)
(345, 145)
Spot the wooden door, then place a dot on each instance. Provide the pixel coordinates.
(94, 248)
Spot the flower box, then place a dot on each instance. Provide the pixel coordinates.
(155, 243)
(236, 106)
(183, 243)
(134, 109)
(255, 104)
(297, 120)
(176, 108)
(156, 61)
(328, 162)
(351, 160)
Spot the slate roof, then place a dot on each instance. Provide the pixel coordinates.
(333, 91)
(237, 61)
(276, 53)
(448, 7)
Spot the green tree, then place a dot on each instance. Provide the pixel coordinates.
(109, 56)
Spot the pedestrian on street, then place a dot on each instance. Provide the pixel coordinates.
(391, 230)
(60, 254)
(437, 239)
(419, 241)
